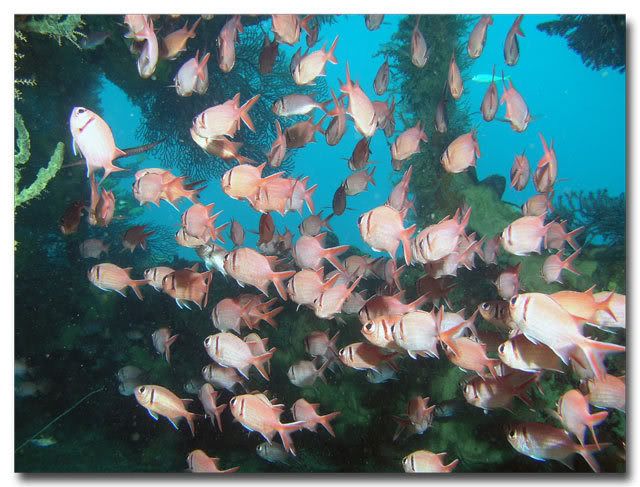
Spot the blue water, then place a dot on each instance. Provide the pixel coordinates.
(581, 110)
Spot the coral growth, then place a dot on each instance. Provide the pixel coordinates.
(603, 216)
(22, 156)
(599, 39)
(57, 26)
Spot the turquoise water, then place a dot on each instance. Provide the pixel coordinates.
(75, 337)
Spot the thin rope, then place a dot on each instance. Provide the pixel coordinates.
(58, 417)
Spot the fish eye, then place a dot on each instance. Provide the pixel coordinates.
(141, 389)
(369, 327)
(81, 110)
(512, 433)
(341, 352)
(485, 306)
(513, 300)
(207, 341)
(204, 369)
(233, 402)
(501, 348)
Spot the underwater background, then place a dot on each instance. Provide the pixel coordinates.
(75, 337)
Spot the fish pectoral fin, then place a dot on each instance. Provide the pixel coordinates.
(172, 421)
(152, 414)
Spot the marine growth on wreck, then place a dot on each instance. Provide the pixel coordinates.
(318, 243)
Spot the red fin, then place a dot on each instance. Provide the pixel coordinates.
(277, 278)
(244, 112)
(285, 430)
(259, 360)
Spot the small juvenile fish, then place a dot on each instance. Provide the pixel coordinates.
(418, 418)
(525, 235)
(304, 411)
(162, 341)
(93, 248)
(518, 114)
(313, 224)
(273, 453)
(383, 230)
(44, 441)
(508, 282)
(93, 40)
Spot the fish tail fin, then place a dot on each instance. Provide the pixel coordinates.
(192, 31)
(259, 362)
(605, 304)
(586, 452)
(218, 411)
(517, 26)
(167, 347)
(308, 195)
(190, 417)
(418, 302)
(285, 431)
(325, 421)
(569, 238)
(451, 466)
(270, 315)
(595, 351)
(244, 160)
(331, 53)
(304, 23)
(568, 263)
(406, 245)
(202, 66)
(207, 283)
(277, 278)
(370, 175)
(135, 285)
(244, 112)
(594, 420)
(331, 254)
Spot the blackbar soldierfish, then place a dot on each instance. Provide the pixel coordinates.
(229, 350)
(110, 277)
(159, 401)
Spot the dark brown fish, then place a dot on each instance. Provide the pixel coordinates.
(312, 34)
(302, 133)
(381, 81)
(339, 201)
(266, 228)
(441, 112)
(373, 21)
(295, 60)
(71, 218)
(360, 155)
(496, 312)
(338, 125)
(489, 106)
(511, 46)
(268, 55)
